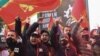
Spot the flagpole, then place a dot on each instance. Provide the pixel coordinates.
(87, 10)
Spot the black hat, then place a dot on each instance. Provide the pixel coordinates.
(34, 34)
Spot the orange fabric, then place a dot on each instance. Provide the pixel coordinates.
(25, 8)
(79, 10)
(51, 21)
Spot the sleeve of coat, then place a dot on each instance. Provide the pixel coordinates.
(31, 29)
(25, 28)
(18, 26)
(54, 34)
(24, 38)
(77, 40)
(28, 30)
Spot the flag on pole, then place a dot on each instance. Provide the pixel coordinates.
(79, 10)
(51, 22)
(24, 9)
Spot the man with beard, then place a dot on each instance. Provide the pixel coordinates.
(68, 47)
(14, 46)
(67, 42)
(14, 40)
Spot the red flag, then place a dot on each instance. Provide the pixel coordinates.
(79, 10)
(25, 8)
(51, 21)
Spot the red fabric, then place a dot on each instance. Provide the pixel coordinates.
(16, 8)
(79, 9)
(51, 21)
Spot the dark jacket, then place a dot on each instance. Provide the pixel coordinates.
(55, 41)
(37, 50)
(30, 50)
(17, 48)
(70, 51)
(50, 49)
(79, 42)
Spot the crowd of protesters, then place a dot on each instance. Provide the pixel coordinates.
(41, 42)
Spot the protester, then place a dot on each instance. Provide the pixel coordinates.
(45, 38)
(14, 45)
(67, 42)
(33, 41)
(14, 40)
(96, 43)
